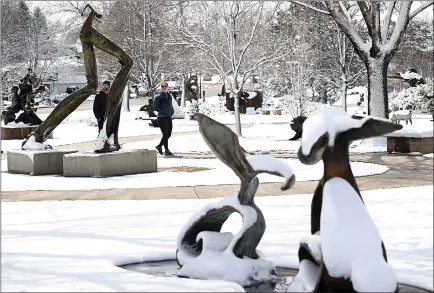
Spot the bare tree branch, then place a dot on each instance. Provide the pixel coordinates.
(347, 27)
(387, 19)
(420, 9)
(400, 26)
(311, 7)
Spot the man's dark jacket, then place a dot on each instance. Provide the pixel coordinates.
(100, 105)
(163, 105)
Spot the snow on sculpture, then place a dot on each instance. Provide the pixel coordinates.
(344, 251)
(203, 252)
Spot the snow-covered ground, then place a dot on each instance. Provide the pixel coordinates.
(76, 245)
(217, 174)
(265, 138)
(81, 126)
(261, 133)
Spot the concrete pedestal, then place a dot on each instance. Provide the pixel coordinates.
(123, 162)
(36, 162)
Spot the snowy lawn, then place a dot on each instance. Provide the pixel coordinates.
(76, 245)
(266, 133)
(81, 127)
(217, 174)
(266, 138)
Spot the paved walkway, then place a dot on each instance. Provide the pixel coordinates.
(404, 171)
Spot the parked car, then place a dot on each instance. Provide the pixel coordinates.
(207, 77)
(71, 89)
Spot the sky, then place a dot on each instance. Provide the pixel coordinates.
(49, 6)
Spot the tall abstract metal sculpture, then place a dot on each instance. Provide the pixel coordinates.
(206, 253)
(108, 137)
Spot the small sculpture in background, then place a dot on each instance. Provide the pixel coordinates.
(191, 89)
(297, 125)
(9, 114)
(23, 99)
(29, 112)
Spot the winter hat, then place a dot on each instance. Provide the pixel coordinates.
(106, 82)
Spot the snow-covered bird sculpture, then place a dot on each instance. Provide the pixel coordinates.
(203, 252)
(344, 251)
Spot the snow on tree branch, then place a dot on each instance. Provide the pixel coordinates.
(400, 26)
(421, 8)
(387, 19)
(347, 27)
(311, 7)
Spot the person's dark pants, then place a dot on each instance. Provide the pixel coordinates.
(166, 126)
(100, 124)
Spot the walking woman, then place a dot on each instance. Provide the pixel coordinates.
(163, 105)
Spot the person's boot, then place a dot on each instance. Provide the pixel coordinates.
(159, 149)
(168, 153)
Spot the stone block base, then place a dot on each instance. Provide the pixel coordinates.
(422, 145)
(8, 133)
(36, 162)
(123, 162)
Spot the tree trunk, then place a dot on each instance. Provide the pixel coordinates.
(183, 92)
(126, 99)
(378, 103)
(344, 89)
(237, 115)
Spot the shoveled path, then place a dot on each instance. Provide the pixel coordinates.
(404, 171)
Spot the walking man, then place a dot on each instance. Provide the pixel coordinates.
(100, 104)
(163, 105)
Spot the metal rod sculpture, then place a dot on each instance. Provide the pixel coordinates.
(108, 137)
(202, 250)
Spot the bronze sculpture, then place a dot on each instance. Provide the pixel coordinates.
(9, 114)
(24, 101)
(297, 126)
(325, 257)
(200, 242)
(108, 137)
(191, 88)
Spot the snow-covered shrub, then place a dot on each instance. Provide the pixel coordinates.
(292, 105)
(53, 99)
(415, 98)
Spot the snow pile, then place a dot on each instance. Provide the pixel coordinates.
(32, 145)
(306, 278)
(217, 261)
(16, 125)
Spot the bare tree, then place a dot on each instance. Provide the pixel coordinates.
(225, 37)
(141, 29)
(379, 45)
